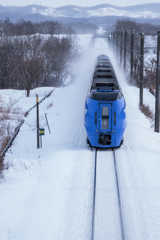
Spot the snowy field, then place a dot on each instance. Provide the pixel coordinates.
(13, 106)
(47, 193)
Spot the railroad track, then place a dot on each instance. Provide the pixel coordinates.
(106, 199)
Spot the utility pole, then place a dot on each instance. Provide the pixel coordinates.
(111, 36)
(125, 48)
(113, 43)
(157, 84)
(141, 69)
(121, 40)
(116, 44)
(37, 100)
(119, 36)
(132, 53)
(109, 40)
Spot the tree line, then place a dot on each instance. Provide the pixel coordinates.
(146, 28)
(31, 61)
(23, 27)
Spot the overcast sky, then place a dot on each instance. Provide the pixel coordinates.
(55, 3)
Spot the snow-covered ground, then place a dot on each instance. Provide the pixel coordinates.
(13, 106)
(47, 193)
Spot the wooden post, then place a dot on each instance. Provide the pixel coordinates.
(121, 40)
(116, 44)
(125, 48)
(132, 53)
(37, 100)
(141, 69)
(157, 84)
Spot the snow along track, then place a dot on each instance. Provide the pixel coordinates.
(106, 198)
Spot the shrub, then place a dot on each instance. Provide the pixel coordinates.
(147, 112)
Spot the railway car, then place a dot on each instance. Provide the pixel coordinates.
(105, 117)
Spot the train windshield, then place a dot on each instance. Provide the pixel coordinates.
(105, 117)
(103, 95)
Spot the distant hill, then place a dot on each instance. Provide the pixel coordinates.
(99, 14)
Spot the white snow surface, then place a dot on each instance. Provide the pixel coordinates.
(48, 193)
(7, 97)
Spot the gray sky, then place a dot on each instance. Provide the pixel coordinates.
(59, 3)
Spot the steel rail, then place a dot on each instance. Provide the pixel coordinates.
(118, 193)
(94, 196)
(119, 197)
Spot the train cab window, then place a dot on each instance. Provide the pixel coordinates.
(105, 117)
(103, 96)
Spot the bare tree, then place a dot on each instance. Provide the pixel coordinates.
(23, 27)
(127, 24)
(150, 74)
(6, 51)
(28, 63)
(32, 61)
(60, 54)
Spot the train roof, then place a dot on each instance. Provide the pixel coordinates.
(104, 65)
(112, 83)
(103, 60)
(104, 80)
(104, 75)
(105, 68)
(103, 57)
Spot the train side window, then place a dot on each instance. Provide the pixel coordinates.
(95, 118)
(114, 118)
(105, 117)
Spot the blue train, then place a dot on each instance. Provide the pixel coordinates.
(105, 117)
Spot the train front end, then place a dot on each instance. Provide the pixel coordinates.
(105, 118)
